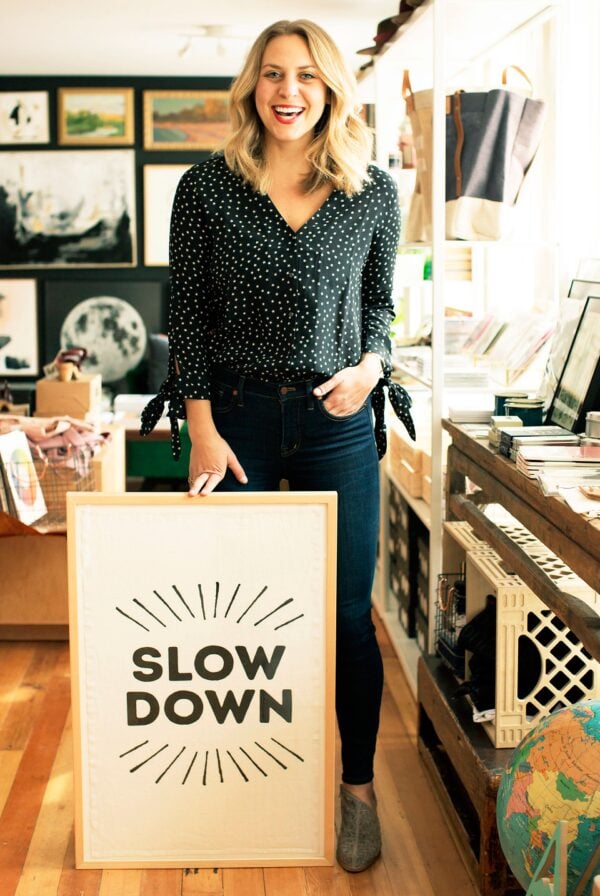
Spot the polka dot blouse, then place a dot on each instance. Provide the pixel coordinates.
(250, 294)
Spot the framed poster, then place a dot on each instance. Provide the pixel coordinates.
(185, 119)
(67, 208)
(95, 116)
(18, 328)
(112, 319)
(160, 184)
(581, 289)
(24, 117)
(578, 389)
(202, 659)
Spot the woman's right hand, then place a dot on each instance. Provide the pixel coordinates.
(210, 457)
(211, 454)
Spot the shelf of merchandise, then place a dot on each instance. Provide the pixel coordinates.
(406, 648)
(440, 42)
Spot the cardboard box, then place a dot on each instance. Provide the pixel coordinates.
(80, 398)
(34, 586)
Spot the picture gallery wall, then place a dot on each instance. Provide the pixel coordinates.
(88, 171)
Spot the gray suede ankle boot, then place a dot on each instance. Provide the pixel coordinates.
(359, 839)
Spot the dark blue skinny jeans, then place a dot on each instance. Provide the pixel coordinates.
(281, 431)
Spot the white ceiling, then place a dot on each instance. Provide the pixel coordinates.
(145, 37)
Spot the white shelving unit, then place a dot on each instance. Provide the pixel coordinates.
(446, 45)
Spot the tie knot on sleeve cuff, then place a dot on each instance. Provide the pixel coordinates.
(401, 402)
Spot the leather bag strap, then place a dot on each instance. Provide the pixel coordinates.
(460, 140)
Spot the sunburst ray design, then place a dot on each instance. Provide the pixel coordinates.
(208, 615)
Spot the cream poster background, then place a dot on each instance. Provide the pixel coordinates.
(202, 670)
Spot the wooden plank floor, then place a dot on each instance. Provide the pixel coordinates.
(419, 857)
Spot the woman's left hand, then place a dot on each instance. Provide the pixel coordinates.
(349, 388)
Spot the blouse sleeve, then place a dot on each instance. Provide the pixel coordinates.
(378, 313)
(378, 275)
(189, 312)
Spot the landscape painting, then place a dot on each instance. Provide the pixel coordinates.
(100, 116)
(67, 208)
(185, 119)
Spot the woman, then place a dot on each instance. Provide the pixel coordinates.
(282, 255)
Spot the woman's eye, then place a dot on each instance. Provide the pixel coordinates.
(307, 76)
(271, 75)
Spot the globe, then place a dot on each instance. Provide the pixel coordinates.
(554, 775)
(111, 330)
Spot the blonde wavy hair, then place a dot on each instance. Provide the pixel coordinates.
(341, 149)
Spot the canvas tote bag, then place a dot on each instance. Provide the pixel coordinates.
(491, 140)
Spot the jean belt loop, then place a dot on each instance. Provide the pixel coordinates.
(310, 398)
(240, 390)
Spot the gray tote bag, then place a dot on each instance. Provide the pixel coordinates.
(491, 140)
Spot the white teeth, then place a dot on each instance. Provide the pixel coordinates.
(286, 110)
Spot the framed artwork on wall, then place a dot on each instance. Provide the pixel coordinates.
(95, 116)
(111, 319)
(18, 328)
(220, 684)
(24, 117)
(160, 184)
(67, 208)
(185, 119)
(578, 389)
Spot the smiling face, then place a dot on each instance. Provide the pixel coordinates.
(290, 94)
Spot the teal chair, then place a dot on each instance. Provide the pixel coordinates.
(152, 459)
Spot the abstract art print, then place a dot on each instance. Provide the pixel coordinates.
(95, 116)
(111, 319)
(21, 477)
(18, 328)
(185, 119)
(69, 208)
(24, 117)
(203, 677)
(160, 184)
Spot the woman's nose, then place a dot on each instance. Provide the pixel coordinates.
(288, 86)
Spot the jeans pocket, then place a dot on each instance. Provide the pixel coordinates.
(339, 418)
(223, 398)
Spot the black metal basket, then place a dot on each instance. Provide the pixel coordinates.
(450, 618)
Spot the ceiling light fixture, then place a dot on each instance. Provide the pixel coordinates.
(224, 35)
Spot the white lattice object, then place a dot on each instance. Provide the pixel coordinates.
(555, 568)
(458, 539)
(567, 672)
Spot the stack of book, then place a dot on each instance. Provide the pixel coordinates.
(514, 438)
(535, 459)
(498, 423)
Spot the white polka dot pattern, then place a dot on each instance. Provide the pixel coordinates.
(250, 294)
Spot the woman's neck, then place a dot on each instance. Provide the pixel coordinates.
(288, 161)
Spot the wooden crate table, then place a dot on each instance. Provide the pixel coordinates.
(464, 766)
(465, 771)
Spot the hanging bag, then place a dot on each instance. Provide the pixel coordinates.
(491, 140)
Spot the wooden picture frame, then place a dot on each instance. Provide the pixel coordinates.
(95, 116)
(578, 389)
(185, 119)
(160, 184)
(203, 677)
